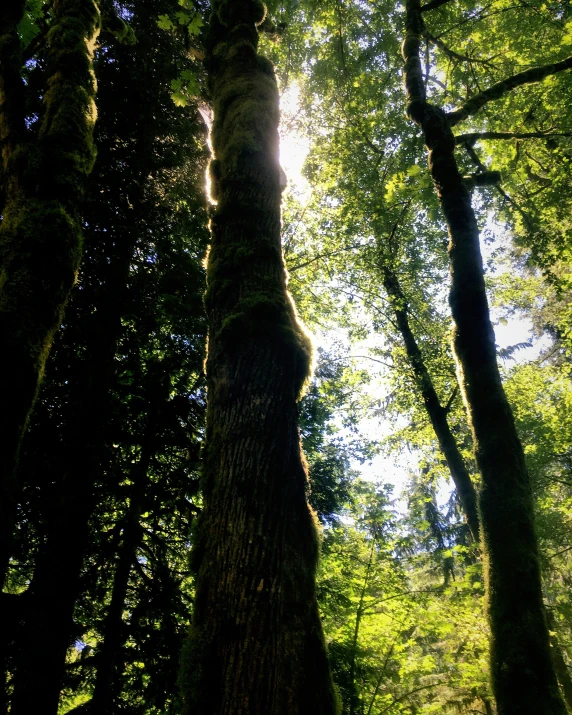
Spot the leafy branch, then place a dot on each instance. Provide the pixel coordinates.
(498, 90)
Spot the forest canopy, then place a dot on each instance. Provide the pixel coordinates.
(286, 357)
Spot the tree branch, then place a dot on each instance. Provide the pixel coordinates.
(432, 5)
(451, 53)
(451, 399)
(411, 692)
(473, 137)
(327, 254)
(535, 74)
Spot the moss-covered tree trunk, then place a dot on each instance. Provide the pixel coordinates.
(256, 646)
(11, 93)
(40, 235)
(523, 677)
(436, 412)
(48, 620)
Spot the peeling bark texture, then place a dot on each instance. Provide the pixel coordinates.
(256, 645)
(40, 235)
(522, 672)
(436, 412)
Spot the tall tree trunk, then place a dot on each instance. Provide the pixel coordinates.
(256, 646)
(354, 695)
(114, 628)
(436, 412)
(522, 671)
(11, 93)
(57, 576)
(11, 129)
(560, 665)
(41, 236)
(77, 462)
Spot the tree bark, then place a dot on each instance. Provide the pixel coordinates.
(436, 412)
(522, 671)
(56, 584)
(11, 93)
(41, 236)
(256, 645)
(560, 665)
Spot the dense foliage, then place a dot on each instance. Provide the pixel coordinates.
(99, 592)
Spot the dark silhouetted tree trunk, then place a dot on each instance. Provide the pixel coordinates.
(114, 631)
(522, 671)
(56, 583)
(40, 235)
(256, 646)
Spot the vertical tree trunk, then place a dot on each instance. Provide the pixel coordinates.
(560, 665)
(256, 646)
(354, 695)
(41, 236)
(114, 628)
(56, 583)
(11, 93)
(522, 671)
(436, 412)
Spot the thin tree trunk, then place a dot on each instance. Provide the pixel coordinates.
(114, 628)
(560, 665)
(256, 646)
(41, 236)
(354, 698)
(522, 671)
(436, 412)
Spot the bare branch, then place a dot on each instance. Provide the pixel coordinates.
(535, 74)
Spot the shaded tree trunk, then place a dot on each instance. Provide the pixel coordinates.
(256, 645)
(41, 236)
(522, 671)
(436, 412)
(114, 630)
(560, 665)
(11, 93)
(56, 583)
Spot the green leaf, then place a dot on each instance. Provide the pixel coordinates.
(182, 17)
(165, 22)
(414, 170)
(179, 99)
(195, 24)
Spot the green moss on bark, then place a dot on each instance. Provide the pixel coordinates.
(41, 234)
(256, 645)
